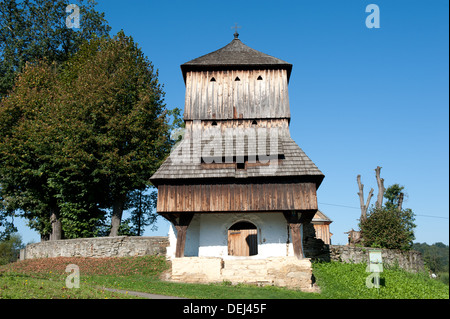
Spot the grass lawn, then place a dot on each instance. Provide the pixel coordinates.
(45, 279)
(348, 281)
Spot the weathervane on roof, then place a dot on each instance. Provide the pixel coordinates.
(236, 34)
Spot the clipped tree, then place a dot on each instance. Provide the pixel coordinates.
(389, 226)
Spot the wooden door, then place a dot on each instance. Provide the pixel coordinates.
(242, 242)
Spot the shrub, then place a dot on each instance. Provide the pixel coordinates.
(388, 227)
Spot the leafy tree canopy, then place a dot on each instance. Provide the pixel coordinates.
(81, 138)
(388, 226)
(32, 30)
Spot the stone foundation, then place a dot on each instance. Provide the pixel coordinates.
(287, 272)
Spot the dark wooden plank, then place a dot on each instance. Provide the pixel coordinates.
(183, 223)
(296, 239)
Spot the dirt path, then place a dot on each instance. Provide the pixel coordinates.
(141, 294)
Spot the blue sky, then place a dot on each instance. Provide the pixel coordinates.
(359, 97)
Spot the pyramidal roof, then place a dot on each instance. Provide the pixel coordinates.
(235, 55)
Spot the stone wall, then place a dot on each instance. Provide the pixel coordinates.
(120, 246)
(408, 260)
(279, 271)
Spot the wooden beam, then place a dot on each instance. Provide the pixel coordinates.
(181, 225)
(293, 219)
(296, 239)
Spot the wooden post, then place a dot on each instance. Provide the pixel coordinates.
(181, 225)
(294, 221)
(296, 239)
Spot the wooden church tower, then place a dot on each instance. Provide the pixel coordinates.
(237, 184)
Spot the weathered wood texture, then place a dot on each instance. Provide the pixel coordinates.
(323, 232)
(242, 242)
(228, 98)
(236, 197)
(181, 223)
(296, 237)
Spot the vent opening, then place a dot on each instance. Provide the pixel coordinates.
(240, 165)
(259, 78)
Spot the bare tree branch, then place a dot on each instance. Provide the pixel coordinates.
(381, 189)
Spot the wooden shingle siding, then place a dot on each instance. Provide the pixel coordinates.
(236, 197)
(226, 98)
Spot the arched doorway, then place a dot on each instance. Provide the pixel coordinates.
(242, 239)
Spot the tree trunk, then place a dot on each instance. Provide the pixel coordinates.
(400, 201)
(361, 199)
(116, 217)
(381, 189)
(56, 225)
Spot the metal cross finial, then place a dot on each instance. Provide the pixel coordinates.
(236, 34)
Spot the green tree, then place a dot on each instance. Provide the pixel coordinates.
(79, 139)
(6, 227)
(436, 256)
(389, 226)
(142, 205)
(26, 146)
(9, 249)
(32, 30)
(117, 102)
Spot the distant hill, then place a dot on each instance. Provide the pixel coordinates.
(435, 255)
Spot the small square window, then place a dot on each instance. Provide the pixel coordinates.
(240, 165)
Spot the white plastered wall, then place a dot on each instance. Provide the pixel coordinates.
(207, 235)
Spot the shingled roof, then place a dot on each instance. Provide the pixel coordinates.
(293, 163)
(236, 55)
